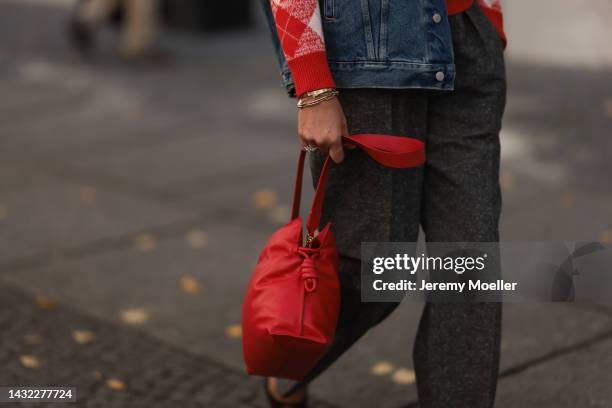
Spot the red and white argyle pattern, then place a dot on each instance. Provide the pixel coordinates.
(298, 23)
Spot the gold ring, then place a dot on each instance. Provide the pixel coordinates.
(310, 148)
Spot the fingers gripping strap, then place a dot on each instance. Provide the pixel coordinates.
(391, 151)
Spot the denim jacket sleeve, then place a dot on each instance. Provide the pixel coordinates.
(286, 79)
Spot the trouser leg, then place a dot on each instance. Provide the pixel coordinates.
(456, 355)
(139, 28)
(456, 351)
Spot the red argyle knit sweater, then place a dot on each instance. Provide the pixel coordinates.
(298, 23)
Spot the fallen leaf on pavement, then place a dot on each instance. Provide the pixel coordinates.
(403, 376)
(567, 200)
(265, 198)
(29, 361)
(197, 239)
(88, 195)
(382, 368)
(190, 285)
(233, 331)
(44, 302)
(134, 316)
(145, 242)
(83, 336)
(115, 384)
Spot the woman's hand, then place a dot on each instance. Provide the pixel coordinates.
(323, 125)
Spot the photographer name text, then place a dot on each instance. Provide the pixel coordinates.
(411, 286)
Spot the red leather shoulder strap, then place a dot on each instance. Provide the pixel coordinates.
(297, 189)
(390, 151)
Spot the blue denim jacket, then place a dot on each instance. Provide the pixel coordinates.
(382, 43)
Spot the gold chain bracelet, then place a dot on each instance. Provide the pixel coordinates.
(315, 97)
(318, 92)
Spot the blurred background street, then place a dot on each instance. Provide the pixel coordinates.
(134, 200)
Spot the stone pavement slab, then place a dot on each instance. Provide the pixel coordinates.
(16, 175)
(76, 109)
(276, 177)
(45, 217)
(555, 123)
(531, 331)
(106, 284)
(560, 215)
(169, 165)
(580, 379)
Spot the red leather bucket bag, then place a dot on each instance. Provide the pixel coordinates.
(291, 307)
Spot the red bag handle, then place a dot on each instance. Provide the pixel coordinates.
(391, 151)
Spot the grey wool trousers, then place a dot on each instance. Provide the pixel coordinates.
(455, 196)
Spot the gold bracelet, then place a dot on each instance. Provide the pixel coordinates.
(318, 92)
(304, 103)
(319, 96)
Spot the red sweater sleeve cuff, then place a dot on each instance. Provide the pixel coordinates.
(311, 72)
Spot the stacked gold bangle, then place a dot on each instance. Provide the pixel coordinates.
(313, 98)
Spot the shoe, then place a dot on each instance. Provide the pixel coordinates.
(274, 403)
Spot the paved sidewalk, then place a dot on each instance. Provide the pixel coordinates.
(138, 198)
